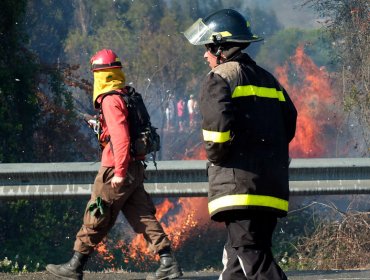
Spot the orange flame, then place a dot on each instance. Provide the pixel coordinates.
(313, 96)
(192, 211)
(196, 152)
(103, 251)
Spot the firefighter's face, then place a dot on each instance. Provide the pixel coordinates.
(211, 59)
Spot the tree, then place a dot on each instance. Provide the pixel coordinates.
(58, 136)
(317, 46)
(47, 24)
(348, 25)
(19, 110)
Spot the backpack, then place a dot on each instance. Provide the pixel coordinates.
(144, 137)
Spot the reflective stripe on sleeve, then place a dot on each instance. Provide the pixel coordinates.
(215, 136)
(247, 200)
(251, 90)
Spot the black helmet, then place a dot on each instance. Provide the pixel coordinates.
(224, 26)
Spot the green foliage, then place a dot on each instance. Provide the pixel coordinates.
(264, 23)
(7, 266)
(287, 234)
(147, 36)
(18, 72)
(64, 142)
(35, 108)
(47, 226)
(347, 24)
(47, 24)
(277, 49)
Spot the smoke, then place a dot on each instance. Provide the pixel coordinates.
(290, 13)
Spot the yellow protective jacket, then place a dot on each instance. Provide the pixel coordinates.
(248, 121)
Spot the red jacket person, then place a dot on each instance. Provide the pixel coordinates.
(118, 185)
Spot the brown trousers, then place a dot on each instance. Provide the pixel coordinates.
(131, 199)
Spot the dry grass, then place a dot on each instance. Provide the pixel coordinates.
(341, 240)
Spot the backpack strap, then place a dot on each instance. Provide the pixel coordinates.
(126, 99)
(129, 98)
(101, 112)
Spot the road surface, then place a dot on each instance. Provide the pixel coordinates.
(292, 275)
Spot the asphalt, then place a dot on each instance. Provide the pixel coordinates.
(200, 275)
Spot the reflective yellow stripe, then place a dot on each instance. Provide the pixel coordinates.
(215, 136)
(225, 34)
(258, 91)
(247, 200)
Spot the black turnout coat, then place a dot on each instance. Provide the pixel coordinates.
(248, 121)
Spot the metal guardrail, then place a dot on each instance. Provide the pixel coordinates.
(179, 178)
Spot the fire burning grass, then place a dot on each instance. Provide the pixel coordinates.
(190, 213)
(181, 219)
(311, 90)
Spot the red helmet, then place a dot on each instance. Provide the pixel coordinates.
(105, 59)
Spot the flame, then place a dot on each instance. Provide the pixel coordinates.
(103, 251)
(191, 212)
(310, 89)
(196, 152)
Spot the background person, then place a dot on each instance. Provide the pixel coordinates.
(190, 107)
(248, 121)
(170, 112)
(181, 113)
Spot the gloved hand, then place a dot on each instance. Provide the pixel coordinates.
(117, 182)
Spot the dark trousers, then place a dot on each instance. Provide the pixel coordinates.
(247, 252)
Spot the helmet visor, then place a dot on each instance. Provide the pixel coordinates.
(199, 33)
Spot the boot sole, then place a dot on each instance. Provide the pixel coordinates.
(175, 275)
(172, 276)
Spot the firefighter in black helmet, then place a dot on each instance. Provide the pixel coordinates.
(248, 121)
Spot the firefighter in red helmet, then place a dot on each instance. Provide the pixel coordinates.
(118, 186)
(248, 121)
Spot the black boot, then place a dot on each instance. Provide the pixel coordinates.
(73, 269)
(168, 269)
